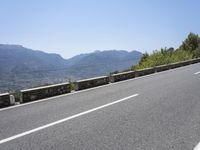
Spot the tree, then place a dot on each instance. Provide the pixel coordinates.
(191, 43)
(197, 52)
(144, 57)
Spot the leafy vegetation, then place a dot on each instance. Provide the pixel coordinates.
(190, 48)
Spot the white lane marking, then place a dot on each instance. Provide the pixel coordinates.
(102, 86)
(197, 73)
(64, 120)
(197, 147)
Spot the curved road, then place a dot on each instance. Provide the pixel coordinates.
(154, 112)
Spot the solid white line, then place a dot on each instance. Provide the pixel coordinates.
(65, 119)
(76, 92)
(197, 147)
(197, 73)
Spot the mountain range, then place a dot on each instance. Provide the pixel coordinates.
(22, 67)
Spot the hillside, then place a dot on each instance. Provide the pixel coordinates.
(21, 67)
(102, 62)
(15, 58)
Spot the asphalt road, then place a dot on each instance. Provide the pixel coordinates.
(155, 112)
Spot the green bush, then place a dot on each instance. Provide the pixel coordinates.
(189, 49)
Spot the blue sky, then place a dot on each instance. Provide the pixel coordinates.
(71, 27)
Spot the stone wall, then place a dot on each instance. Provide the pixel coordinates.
(45, 92)
(4, 100)
(89, 83)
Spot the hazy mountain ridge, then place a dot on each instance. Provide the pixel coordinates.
(14, 56)
(23, 68)
(107, 61)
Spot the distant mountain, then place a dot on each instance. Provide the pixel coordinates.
(16, 58)
(21, 67)
(102, 62)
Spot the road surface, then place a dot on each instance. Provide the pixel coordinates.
(155, 112)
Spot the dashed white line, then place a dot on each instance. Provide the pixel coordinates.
(64, 120)
(197, 147)
(196, 73)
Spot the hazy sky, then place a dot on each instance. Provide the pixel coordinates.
(71, 27)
